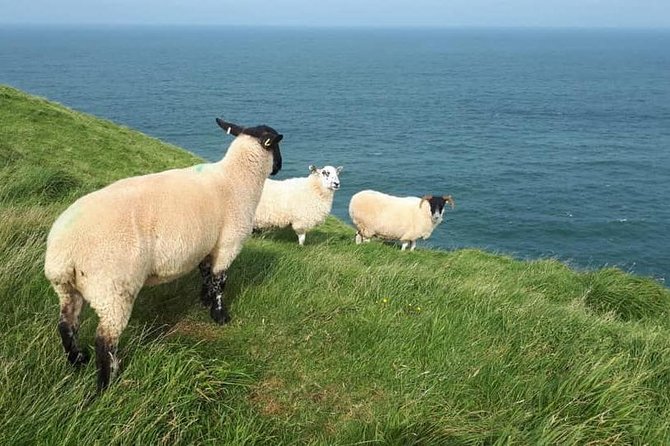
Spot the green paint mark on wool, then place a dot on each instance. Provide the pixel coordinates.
(202, 167)
(69, 216)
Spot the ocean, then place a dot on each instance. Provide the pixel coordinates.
(554, 143)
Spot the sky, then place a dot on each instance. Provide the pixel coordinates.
(382, 13)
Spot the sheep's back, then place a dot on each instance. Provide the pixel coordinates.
(141, 225)
(280, 202)
(386, 216)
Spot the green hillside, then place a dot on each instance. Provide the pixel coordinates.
(332, 343)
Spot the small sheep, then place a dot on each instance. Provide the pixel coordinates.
(151, 229)
(301, 203)
(396, 218)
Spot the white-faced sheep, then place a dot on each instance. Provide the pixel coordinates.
(301, 203)
(407, 219)
(151, 229)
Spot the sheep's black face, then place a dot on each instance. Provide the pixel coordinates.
(437, 206)
(268, 137)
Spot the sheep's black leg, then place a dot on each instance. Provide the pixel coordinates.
(113, 314)
(212, 292)
(68, 335)
(218, 309)
(70, 307)
(106, 360)
(206, 293)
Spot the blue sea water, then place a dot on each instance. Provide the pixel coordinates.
(554, 143)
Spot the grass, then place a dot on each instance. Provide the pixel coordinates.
(331, 343)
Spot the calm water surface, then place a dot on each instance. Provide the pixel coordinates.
(554, 143)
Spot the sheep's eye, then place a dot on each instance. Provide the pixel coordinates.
(325, 173)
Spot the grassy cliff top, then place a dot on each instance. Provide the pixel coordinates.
(332, 343)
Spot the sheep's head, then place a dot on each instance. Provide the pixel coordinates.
(437, 206)
(328, 175)
(267, 136)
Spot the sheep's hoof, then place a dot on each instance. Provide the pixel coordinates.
(220, 315)
(78, 358)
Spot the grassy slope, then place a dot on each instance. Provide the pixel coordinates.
(330, 344)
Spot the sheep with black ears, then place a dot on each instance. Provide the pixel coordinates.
(301, 203)
(151, 229)
(407, 219)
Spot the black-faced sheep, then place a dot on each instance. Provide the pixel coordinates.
(151, 229)
(407, 219)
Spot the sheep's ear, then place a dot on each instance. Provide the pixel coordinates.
(312, 168)
(268, 140)
(229, 127)
(339, 169)
(426, 198)
(449, 199)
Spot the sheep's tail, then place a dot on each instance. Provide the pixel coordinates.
(59, 268)
(65, 275)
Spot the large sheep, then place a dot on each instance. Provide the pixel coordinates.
(301, 203)
(151, 229)
(407, 219)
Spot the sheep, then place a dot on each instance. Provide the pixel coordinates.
(301, 203)
(152, 229)
(396, 218)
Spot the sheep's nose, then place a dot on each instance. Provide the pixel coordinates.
(336, 185)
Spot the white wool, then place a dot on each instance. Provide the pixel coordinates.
(152, 229)
(376, 214)
(301, 203)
